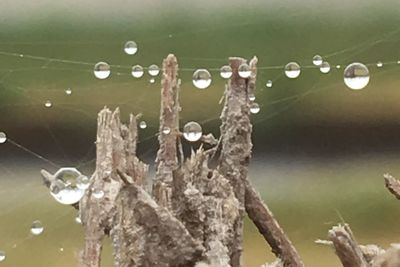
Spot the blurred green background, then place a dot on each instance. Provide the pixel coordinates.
(320, 149)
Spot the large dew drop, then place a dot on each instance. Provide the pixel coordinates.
(325, 67)
(356, 76)
(37, 228)
(192, 131)
(68, 186)
(68, 91)
(225, 72)
(254, 108)
(153, 70)
(317, 60)
(130, 47)
(137, 71)
(269, 84)
(201, 78)
(3, 138)
(102, 70)
(2, 255)
(292, 70)
(48, 104)
(244, 70)
(142, 125)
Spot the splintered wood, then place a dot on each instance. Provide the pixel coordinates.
(193, 214)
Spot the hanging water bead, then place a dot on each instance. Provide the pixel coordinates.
(356, 76)
(325, 67)
(68, 187)
(3, 138)
(152, 80)
(244, 70)
(37, 228)
(338, 66)
(225, 72)
(153, 70)
(292, 70)
(379, 64)
(254, 108)
(166, 130)
(68, 91)
(201, 78)
(192, 131)
(98, 193)
(269, 84)
(252, 97)
(2, 255)
(137, 71)
(102, 70)
(78, 219)
(317, 60)
(142, 125)
(83, 182)
(48, 104)
(130, 47)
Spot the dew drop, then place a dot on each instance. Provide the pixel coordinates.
(142, 125)
(325, 67)
(226, 72)
(61, 249)
(48, 104)
(137, 71)
(379, 64)
(317, 60)
(338, 66)
(130, 47)
(152, 80)
(252, 97)
(2, 255)
(153, 70)
(254, 108)
(37, 228)
(68, 186)
(201, 78)
(166, 130)
(292, 70)
(3, 137)
(98, 193)
(244, 70)
(269, 84)
(356, 76)
(68, 91)
(78, 219)
(102, 70)
(192, 131)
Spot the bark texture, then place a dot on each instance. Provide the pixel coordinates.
(193, 216)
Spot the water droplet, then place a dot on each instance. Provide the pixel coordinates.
(192, 131)
(201, 78)
(83, 182)
(130, 47)
(398, 61)
(269, 83)
(48, 104)
(317, 60)
(68, 91)
(152, 80)
(2, 255)
(292, 70)
(379, 64)
(78, 219)
(37, 228)
(61, 249)
(254, 108)
(338, 66)
(356, 76)
(102, 70)
(244, 70)
(226, 72)
(98, 193)
(166, 130)
(142, 125)
(252, 97)
(153, 70)
(68, 186)
(137, 71)
(325, 67)
(3, 138)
